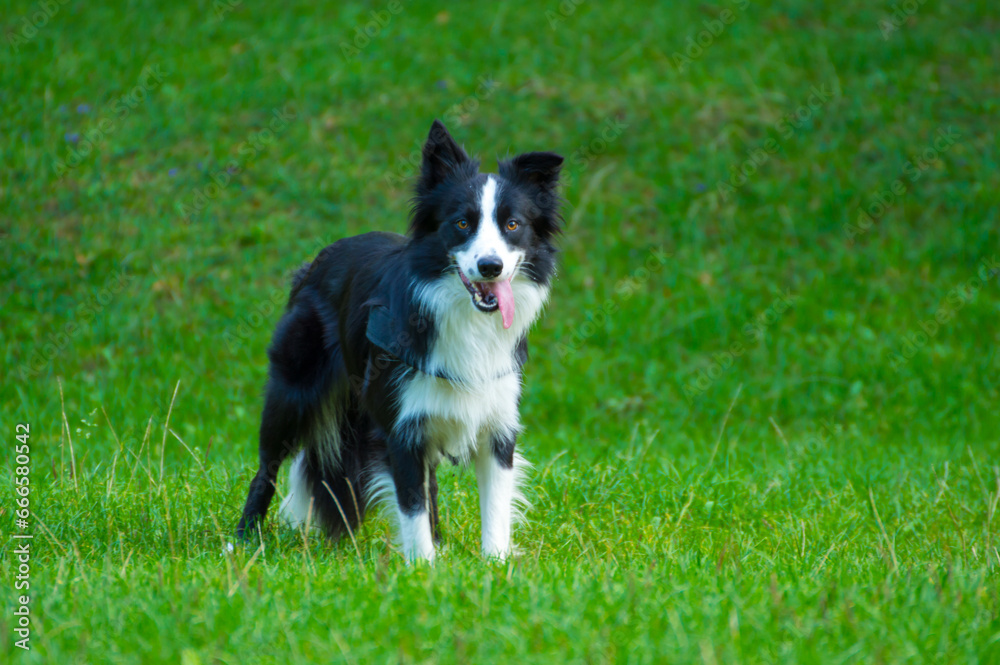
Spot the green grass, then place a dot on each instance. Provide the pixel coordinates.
(844, 513)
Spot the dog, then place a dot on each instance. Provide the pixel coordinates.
(396, 353)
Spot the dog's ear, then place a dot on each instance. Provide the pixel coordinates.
(441, 157)
(537, 168)
(540, 172)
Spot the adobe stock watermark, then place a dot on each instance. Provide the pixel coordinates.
(580, 161)
(598, 316)
(32, 22)
(884, 199)
(597, 146)
(699, 42)
(113, 116)
(223, 7)
(407, 166)
(458, 114)
(22, 536)
(581, 158)
(565, 9)
(366, 32)
(900, 12)
(253, 317)
(754, 330)
(247, 152)
(740, 174)
(85, 311)
(954, 301)
(824, 434)
(395, 352)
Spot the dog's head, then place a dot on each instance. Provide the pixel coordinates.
(487, 230)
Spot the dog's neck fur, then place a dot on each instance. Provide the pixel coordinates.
(471, 345)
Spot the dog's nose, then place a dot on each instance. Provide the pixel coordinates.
(490, 266)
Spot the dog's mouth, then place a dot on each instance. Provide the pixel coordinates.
(491, 296)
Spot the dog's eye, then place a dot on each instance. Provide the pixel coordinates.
(512, 225)
(462, 224)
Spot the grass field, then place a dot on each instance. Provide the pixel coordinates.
(763, 406)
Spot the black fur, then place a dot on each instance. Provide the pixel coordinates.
(322, 360)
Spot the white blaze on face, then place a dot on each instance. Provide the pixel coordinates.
(488, 241)
(488, 245)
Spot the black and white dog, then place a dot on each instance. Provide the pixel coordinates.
(398, 352)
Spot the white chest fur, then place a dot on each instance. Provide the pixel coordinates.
(459, 416)
(470, 344)
(473, 347)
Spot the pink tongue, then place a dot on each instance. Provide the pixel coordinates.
(505, 299)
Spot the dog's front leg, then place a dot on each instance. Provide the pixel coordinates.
(496, 477)
(411, 478)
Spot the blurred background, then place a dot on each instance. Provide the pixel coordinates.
(166, 166)
(765, 391)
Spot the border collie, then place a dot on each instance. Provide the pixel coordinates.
(398, 352)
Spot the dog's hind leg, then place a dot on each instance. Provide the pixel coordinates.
(280, 432)
(432, 487)
(303, 371)
(331, 483)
